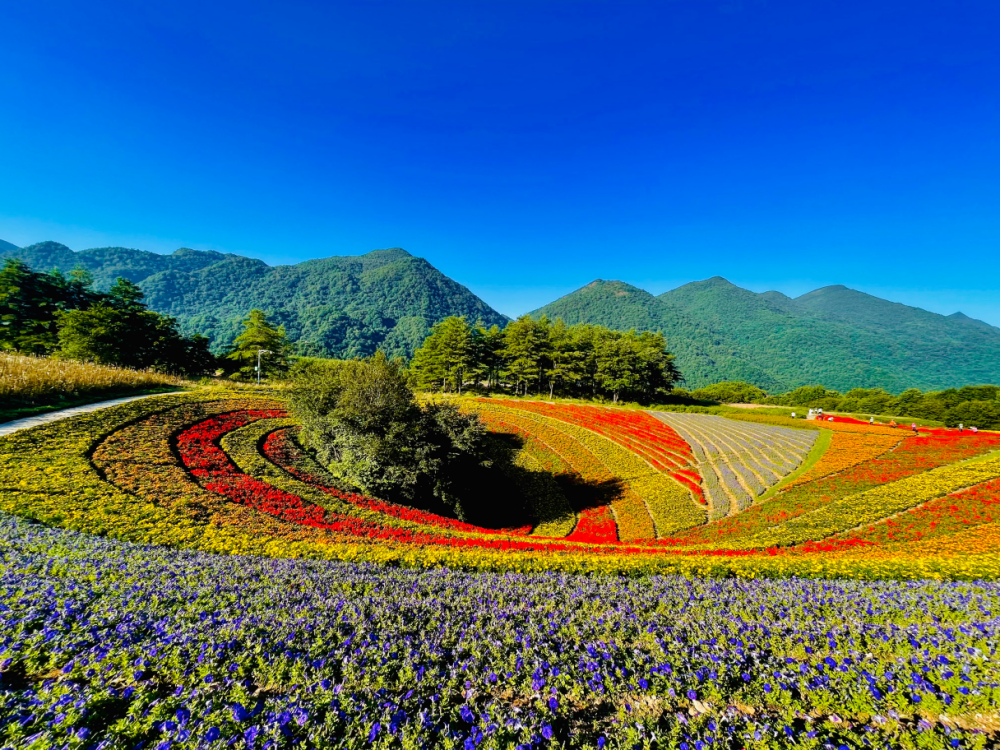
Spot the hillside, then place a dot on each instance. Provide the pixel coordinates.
(341, 306)
(835, 336)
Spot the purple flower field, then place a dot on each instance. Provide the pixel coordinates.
(105, 644)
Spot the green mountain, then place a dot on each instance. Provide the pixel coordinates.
(6, 247)
(341, 306)
(833, 336)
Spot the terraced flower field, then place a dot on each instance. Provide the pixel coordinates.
(194, 578)
(739, 461)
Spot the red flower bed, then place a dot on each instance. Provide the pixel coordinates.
(281, 450)
(971, 507)
(202, 456)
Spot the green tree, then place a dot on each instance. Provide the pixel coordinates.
(731, 392)
(119, 330)
(567, 363)
(367, 428)
(30, 305)
(618, 365)
(447, 354)
(525, 348)
(260, 335)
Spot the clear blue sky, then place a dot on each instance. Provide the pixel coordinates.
(524, 148)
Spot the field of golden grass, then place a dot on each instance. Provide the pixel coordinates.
(30, 384)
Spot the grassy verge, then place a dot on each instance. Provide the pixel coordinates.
(33, 385)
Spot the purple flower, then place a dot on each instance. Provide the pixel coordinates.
(547, 732)
(250, 735)
(553, 704)
(212, 734)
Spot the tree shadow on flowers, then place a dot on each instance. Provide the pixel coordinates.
(510, 495)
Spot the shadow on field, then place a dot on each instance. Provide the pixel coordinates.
(512, 495)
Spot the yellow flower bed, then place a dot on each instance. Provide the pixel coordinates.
(876, 504)
(847, 449)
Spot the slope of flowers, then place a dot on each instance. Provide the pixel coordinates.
(873, 505)
(657, 443)
(940, 517)
(739, 461)
(107, 644)
(542, 476)
(847, 449)
(649, 503)
(914, 456)
(119, 473)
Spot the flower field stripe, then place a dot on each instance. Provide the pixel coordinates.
(663, 501)
(913, 456)
(667, 501)
(823, 441)
(878, 503)
(848, 449)
(951, 514)
(738, 463)
(662, 447)
(593, 523)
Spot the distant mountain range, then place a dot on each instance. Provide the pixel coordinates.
(832, 336)
(353, 305)
(342, 306)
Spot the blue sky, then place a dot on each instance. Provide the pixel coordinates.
(524, 148)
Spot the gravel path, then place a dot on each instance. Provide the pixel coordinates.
(8, 428)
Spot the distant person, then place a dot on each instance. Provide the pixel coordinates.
(961, 427)
(893, 423)
(871, 420)
(974, 429)
(914, 427)
(793, 415)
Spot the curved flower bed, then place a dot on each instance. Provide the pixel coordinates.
(188, 471)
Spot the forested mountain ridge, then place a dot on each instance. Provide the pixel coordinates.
(342, 306)
(835, 336)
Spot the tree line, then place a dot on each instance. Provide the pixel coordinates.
(545, 357)
(63, 315)
(977, 405)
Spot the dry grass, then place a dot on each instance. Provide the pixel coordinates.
(41, 380)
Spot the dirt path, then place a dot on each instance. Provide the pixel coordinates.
(8, 428)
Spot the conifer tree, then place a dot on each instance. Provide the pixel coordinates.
(259, 334)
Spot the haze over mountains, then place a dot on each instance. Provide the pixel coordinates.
(353, 305)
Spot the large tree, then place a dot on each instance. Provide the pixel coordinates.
(367, 428)
(447, 355)
(31, 302)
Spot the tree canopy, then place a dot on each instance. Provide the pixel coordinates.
(260, 341)
(365, 425)
(50, 313)
(540, 356)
